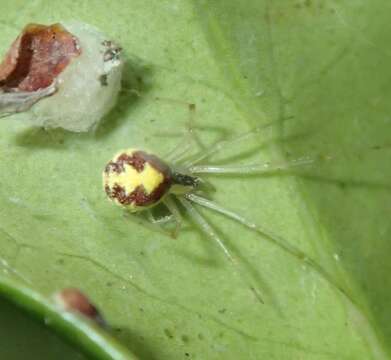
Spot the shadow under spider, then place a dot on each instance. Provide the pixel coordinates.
(267, 291)
(210, 260)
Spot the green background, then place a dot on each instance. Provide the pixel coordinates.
(324, 65)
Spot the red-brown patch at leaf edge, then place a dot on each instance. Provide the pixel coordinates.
(37, 57)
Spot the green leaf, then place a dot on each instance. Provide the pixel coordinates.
(319, 71)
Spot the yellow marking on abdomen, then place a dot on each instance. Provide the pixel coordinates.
(130, 178)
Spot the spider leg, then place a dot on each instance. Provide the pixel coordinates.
(191, 126)
(147, 223)
(256, 168)
(174, 215)
(208, 230)
(134, 92)
(273, 238)
(233, 215)
(224, 143)
(190, 121)
(179, 151)
(190, 138)
(170, 204)
(162, 220)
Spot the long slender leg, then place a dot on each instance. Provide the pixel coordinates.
(162, 220)
(184, 146)
(256, 168)
(190, 128)
(224, 143)
(207, 229)
(170, 204)
(174, 215)
(190, 139)
(190, 136)
(273, 238)
(134, 92)
(230, 214)
(179, 151)
(153, 226)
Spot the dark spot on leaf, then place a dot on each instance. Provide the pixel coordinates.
(103, 79)
(185, 339)
(168, 333)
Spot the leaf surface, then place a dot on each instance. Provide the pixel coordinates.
(320, 72)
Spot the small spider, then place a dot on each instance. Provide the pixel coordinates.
(112, 50)
(138, 181)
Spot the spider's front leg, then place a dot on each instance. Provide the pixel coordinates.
(208, 231)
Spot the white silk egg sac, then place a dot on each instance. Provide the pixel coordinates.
(64, 76)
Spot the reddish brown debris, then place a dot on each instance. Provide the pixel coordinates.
(74, 300)
(37, 57)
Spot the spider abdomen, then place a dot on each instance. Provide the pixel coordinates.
(136, 180)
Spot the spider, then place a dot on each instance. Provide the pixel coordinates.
(138, 181)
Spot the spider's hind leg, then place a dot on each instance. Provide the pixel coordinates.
(268, 235)
(206, 228)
